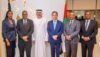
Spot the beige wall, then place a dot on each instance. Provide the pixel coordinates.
(83, 4)
(98, 4)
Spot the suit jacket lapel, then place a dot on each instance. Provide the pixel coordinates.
(55, 27)
(72, 25)
(52, 25)
(22, 24)
(84, 25)
(89, 25)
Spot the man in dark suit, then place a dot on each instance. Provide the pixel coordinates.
(88, 32)
(25, 30)
(71, 31)
(55, 29)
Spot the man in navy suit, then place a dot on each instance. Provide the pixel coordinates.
(55, 29)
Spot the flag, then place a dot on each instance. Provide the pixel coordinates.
(65, 12)
(9, 5)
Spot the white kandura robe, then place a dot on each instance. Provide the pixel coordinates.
(40, 36)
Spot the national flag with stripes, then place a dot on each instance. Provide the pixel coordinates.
(65, 12)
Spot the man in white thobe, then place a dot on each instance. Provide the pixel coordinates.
(40, 34)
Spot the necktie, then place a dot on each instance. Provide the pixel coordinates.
(25, 23)
(54, 24)
(86, 25)
(70, 23)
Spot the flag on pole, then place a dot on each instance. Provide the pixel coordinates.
(65, 12)
(9, 5)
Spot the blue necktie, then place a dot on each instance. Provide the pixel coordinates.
(54, 24)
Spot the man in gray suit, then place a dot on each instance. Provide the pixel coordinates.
(25, 30)
(71, 31)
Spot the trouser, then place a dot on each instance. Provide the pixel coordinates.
(25, 47)
(71, 49)
(10, 51)
(55, 49)
(89, 48)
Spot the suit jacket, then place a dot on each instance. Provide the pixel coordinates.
(58, 31)
(91, 31)
(23, 30)
(72, 30)
(8, 31)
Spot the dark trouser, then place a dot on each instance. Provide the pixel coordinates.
(89, 48)
(10, 51)
(55, 49)
(25, 47)
(71, 49)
